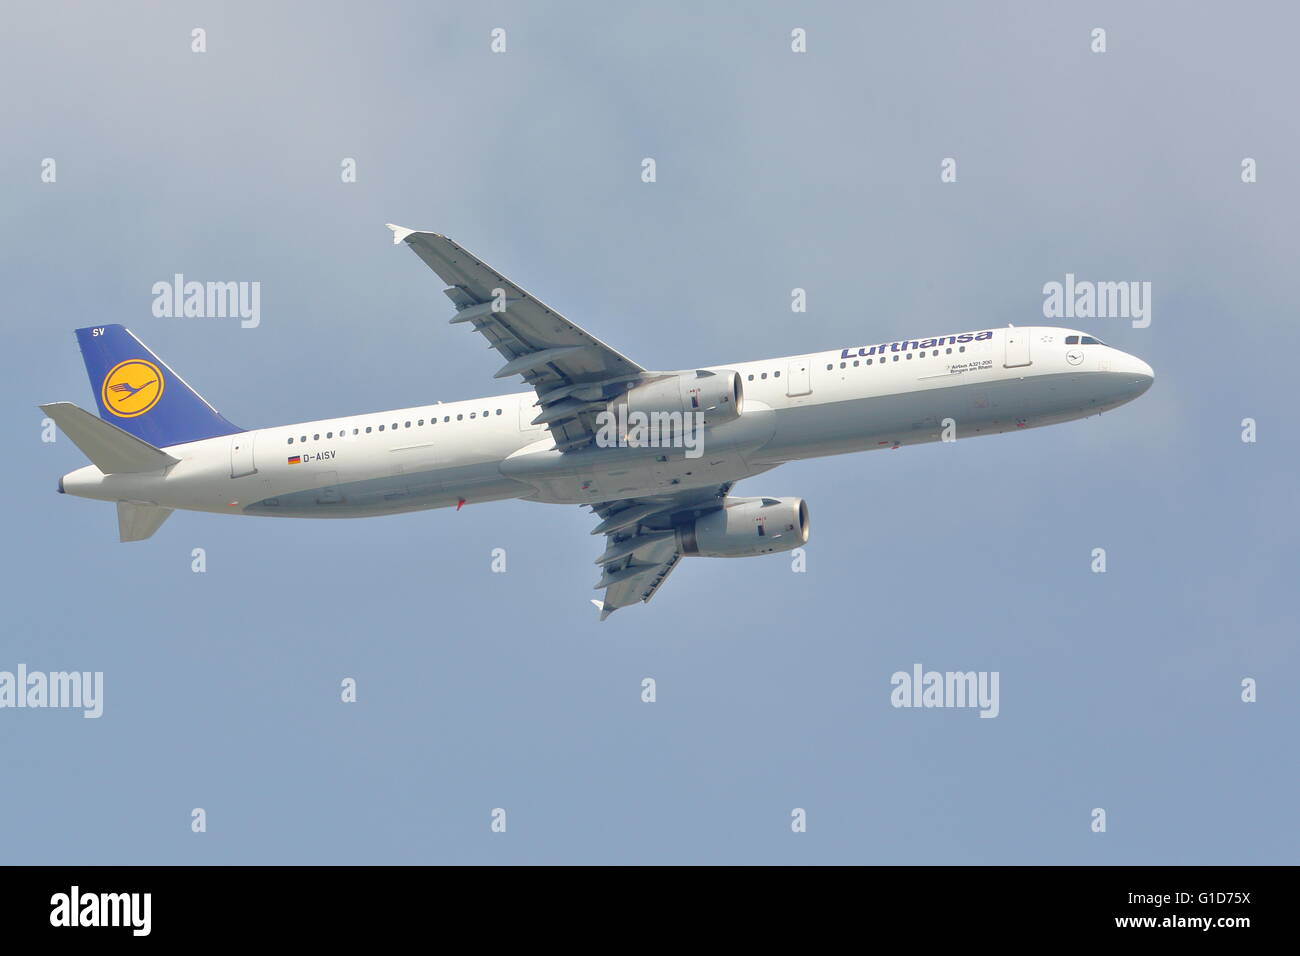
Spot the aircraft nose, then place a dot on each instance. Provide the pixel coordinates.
(1144, 375)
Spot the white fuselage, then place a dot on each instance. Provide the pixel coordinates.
(806, 406)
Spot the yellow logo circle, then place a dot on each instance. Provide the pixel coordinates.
(132, 387)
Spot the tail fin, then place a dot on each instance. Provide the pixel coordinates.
(139, 393)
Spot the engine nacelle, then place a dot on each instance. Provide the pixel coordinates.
(745, 527)
(718, 395)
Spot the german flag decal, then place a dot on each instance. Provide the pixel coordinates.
(295, 459)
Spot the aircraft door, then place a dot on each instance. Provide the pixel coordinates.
(1017, 348)
(241, 455)
(798, 381)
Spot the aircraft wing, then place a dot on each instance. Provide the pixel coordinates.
(572, 371)
(641, 543)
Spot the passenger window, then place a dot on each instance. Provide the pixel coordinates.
(778, 374)
(947, 351)
(868, 361)
(329, 434)
(751, 377)
(446, 418)
(290, 441)
(855, 363)
(828, 368)
(460, 418)
(961, 348)
(909, 356)
(895, 358)
(356, 430)
(303, 438)
(381, 427)
(316, 437)
(844, 365)
(498, 411)
(1071, 340)
(764, 375)
(367, 429)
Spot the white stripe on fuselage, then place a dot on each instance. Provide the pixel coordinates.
(350, 472)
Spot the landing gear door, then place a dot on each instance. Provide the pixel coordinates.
(1017, 348)
(241, 455)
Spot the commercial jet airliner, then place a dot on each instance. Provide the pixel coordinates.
(653, 453)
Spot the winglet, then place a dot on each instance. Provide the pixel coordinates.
(604, 611)
(399, 232)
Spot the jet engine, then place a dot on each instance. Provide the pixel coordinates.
(744, 527)
(718, 395)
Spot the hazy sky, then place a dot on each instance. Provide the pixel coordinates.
(775, 170)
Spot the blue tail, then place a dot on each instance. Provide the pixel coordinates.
(139, 393)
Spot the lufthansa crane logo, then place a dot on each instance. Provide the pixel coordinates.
(132, 387)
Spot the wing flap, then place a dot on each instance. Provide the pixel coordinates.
(640, 579)
(641, 543)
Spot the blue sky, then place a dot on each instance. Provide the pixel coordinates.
(775, 170)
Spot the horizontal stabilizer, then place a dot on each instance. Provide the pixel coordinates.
(135, 522)
(111, 450)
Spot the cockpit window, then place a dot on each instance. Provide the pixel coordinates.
(1089, 340)
(1071, 340)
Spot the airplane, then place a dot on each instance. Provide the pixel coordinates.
(654, 454)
